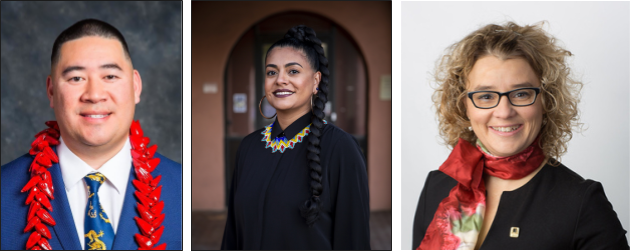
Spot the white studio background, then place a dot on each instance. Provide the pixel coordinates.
(597, 33)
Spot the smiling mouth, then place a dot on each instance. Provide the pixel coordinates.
(506, 129)
(96, 116)
(283, 93)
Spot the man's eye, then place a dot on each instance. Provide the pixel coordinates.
(77, 79)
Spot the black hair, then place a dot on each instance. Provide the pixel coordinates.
(304, 39)
(84, 28)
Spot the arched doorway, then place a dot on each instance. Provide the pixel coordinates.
(244, 76)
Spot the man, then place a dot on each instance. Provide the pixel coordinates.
(92, 180)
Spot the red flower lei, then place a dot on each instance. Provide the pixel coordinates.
(42, 191)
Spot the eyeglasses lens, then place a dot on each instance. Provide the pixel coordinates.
(518, 98)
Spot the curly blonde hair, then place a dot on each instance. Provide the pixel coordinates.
(560, 93)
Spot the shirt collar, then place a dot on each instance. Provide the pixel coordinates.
(74, 169)
(292, 129)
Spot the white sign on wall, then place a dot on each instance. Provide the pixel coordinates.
(239, 103)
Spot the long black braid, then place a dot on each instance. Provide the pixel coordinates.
(304, 39)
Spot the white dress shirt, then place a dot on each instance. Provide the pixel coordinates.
(111, 193)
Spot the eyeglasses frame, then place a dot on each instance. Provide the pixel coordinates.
(501, 94)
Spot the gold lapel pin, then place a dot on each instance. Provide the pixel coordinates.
(514, 232)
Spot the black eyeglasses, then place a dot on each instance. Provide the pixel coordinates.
(518, 97)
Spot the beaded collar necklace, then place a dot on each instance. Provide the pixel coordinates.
(42, 191)
(282, 143)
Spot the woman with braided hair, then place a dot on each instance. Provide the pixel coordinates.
(301, 182)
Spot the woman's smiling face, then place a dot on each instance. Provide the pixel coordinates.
(504, 130)
(290, 80)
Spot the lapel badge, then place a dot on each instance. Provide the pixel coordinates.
(514, 232)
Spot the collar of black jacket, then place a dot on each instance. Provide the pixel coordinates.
(291, 130)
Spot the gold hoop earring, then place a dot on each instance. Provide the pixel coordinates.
(260, 109)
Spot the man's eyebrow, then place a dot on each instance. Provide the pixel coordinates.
(286, 65)
(516, 86)
(81, 68)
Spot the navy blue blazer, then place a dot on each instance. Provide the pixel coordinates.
(15, 175)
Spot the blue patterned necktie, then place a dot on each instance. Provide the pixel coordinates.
(99, 234)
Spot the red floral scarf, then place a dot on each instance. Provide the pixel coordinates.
(460, 215)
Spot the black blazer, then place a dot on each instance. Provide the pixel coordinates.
(556, 209)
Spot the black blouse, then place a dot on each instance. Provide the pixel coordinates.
(556, 209)
(269, 188)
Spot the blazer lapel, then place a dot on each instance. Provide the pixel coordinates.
(65, 229)
(127, 227)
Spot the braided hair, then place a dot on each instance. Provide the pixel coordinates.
(303, 39)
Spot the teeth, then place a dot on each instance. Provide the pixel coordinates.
(505, 129)
(97, 116)
(284, 93)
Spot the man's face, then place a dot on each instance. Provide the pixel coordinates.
(93, 90)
